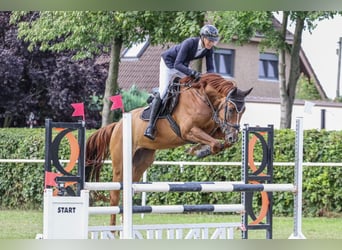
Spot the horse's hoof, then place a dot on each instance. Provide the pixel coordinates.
(203, 152)
(191, 150)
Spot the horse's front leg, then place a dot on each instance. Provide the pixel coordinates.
(202, 150)
(194, 149)
(220, 135)
(209, 145)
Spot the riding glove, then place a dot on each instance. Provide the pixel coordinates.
(196, 75)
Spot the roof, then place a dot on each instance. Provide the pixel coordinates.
(306, 65)
(143, 72)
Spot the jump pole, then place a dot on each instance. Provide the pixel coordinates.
(127, 176)
(129, 187)
(298, 181)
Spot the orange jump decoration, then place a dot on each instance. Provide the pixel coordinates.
(74, 154)
(261, 173)
(69, 177)
(264, 197)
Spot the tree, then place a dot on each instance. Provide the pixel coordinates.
(93, 33)
(30, 81)
(240, 26)
(12, 67)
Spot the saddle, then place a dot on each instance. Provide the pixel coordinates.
(169, 102)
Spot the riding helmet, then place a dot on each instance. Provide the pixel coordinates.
(210, 32)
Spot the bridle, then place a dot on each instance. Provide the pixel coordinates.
(225, 124)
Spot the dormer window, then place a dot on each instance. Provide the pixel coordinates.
(136, 50)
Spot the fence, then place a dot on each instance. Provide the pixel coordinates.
(181, 164)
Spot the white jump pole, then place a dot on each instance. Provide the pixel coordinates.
(127, 228)
(298, 181)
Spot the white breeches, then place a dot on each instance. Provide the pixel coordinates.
(165, 75)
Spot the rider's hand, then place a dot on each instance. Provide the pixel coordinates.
(196, 75)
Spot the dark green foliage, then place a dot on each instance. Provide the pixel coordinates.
(306, 90)
(132, 99)
(44, 83)
(21, 184)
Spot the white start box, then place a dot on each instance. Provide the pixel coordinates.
(65, 217)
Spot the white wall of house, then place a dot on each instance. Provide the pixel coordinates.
(263, 114)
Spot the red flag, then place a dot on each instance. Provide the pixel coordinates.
(117, 102)
(79, 109)
(50, 178)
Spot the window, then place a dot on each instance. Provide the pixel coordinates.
(268, 66)
(224, 61)
(136, 50)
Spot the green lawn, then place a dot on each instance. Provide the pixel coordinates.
(18, 224)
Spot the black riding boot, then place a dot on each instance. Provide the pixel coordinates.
(155, 106)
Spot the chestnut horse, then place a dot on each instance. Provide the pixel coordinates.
(208, 112)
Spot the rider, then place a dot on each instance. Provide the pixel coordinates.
(177, 60)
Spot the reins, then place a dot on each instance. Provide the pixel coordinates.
(223, 124)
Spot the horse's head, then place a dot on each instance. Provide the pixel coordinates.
(229, 113)
(226, 101)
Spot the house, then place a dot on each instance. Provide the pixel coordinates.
(246, 65)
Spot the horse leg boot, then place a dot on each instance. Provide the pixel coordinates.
(155, 107)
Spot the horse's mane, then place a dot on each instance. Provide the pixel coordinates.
(216, 81)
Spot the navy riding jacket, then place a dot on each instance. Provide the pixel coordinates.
(179, 56)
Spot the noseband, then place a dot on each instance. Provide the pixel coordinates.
(225, 124)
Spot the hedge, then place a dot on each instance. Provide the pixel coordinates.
(21, 184)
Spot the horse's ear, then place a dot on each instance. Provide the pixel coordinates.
(247, 92)
(232, 92)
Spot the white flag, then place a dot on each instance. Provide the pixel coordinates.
(308, 107)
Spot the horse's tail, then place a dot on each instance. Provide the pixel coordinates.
(97, 151)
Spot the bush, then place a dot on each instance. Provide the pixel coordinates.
(21, 184)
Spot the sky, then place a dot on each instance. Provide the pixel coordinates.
(320, 48)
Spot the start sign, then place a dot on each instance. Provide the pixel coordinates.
(65, 217)
(67, 210)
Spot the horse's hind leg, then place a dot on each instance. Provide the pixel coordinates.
(142, 160)
(115, 194)
(115, 197)
(114, 201)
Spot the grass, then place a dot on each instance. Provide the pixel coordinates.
(18, 224)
